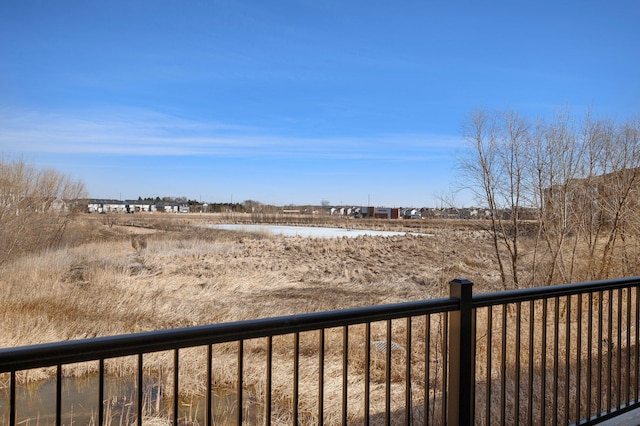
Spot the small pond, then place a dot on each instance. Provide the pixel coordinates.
(35, 403)
(311, 231)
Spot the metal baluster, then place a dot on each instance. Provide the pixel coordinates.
(516, 408)
(208, 410)
(59, 395)
(176, 385)
(345, 372)
(388, 376)
(12, 399)
(489, 366)
(474, 360)
(589, 353)
(296, 376)
(408, 375)
(600, 343)
(240, 386)
(609, 354)
(637, 341)
(140, 390)
(619, 360)
(567, 360)
(578, 398)
(531, 352)
(543, 364)
(445, 363)
(628, 366)
(427, 365)
(503, 368)
(100, 392)
(556, 337)
(367, 371)
(321, 378)
(269, 384)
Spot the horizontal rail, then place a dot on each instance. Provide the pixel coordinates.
(565, 340)
(561, 290)
(48, 354)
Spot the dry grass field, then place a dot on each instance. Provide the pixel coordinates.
(132, 273)
(189, 275)
(124, 274)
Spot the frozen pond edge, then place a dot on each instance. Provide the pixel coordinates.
(313, 232)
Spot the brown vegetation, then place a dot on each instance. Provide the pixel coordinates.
(561, 193)
(106, 284)
(190, 275)
(76, 276)
(36, 206)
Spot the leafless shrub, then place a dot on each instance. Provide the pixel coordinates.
(36, 206)
(562, 194)
(138, 242)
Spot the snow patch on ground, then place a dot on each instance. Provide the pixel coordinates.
(311, 231)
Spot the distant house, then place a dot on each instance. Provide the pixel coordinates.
(134, 206)
(344, 211)
(411, 214)
(101, 205)
(115, 207)
(138, 206)
(378, 212)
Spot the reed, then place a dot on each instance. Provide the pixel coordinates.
(102, 284)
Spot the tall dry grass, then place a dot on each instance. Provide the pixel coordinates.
(101, 284)
(105, 286)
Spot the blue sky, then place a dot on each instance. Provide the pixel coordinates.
(295, 101)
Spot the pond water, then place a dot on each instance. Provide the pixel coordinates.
(35, 403)
(311, 231)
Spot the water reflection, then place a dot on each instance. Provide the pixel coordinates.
(35, 403)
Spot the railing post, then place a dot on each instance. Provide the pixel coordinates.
(460, 393)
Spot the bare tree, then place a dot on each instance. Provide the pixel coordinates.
(618, 191)
(513, 144)
(483, 175)
(557, 157)
(581, 179)
(35, 207)
(495, 170)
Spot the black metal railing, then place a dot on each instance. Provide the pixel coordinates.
(566, 354)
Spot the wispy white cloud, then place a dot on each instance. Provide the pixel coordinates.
(149, 133)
